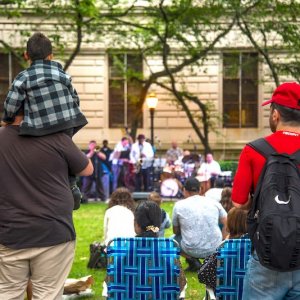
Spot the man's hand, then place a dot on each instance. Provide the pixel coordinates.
(3, 124)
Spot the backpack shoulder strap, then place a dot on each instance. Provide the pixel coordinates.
(296, 155)
(263, 147)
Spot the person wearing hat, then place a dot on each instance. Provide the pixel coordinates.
(141, 155)
(196, 224)
(284, 120)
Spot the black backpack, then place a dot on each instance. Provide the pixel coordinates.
(274, 217)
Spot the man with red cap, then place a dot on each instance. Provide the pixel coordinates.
(262, 282)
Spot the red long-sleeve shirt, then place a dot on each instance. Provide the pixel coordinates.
(251, 163)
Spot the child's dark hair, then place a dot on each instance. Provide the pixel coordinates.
(122, 196)
(147, 216)
(38, 46)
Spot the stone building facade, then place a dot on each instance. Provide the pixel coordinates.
(234, 93)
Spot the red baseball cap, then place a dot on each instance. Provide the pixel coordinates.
(287, 94)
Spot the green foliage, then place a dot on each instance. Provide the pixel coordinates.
(229, 165)
(178, 33)
(88, 222)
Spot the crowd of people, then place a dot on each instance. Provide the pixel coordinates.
(39, 159)
(135, 166)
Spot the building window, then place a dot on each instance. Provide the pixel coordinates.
(240, 90)
(9, 68)
(123, 90)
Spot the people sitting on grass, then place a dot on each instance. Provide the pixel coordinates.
(236, 228)
(119, 217)
(147, 221)
(196, 224)
(165, 218)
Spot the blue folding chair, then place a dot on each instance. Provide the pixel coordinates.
(143, 268)
(232, 261)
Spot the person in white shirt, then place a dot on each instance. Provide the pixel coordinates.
(119, 156)
(119, 217)
(141, 155)
(196, 224)
(208, 171)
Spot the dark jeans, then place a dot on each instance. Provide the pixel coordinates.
(142, 179)
(87, 184)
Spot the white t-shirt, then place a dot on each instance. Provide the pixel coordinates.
(214, 194)
(209, 169)
(198, 220)
(118, 222)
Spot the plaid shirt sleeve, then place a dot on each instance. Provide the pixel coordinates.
(74, 94)
(14, 100)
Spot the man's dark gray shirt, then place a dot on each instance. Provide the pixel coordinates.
(36, 201)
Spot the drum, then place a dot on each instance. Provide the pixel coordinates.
(167, 173)
(169, 188)
(179, 171)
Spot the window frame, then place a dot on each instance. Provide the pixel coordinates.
(6, 78)
(124, 86)
(242, 81)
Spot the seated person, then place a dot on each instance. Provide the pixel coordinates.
(147, 221)
(196, 224)
(173, 153)
(226, 198)
(208, 171)
(165, 218)
(236, 228)
(119, 218)
(215, 193)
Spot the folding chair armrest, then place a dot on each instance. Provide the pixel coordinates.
(210, 295)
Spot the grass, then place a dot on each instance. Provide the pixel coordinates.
(88, 222)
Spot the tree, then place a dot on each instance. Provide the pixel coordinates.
(273, 28)
(178, 35)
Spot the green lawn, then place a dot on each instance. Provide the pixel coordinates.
(89, 227)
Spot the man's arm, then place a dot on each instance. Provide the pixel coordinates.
(175, 221)
(223, 221)
(243, 180)
(245, 206)
(88, 170)
(176, 229)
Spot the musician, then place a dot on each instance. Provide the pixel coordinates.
(97, 159)
(209, 170)
(106, 167)
(141, 156)
(119, 157)
(173, 153)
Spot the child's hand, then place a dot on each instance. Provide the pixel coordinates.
(3, 124)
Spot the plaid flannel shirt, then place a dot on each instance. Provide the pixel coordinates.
(50, 102)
